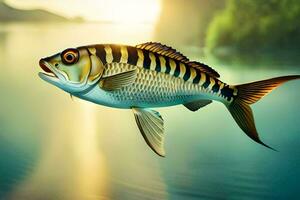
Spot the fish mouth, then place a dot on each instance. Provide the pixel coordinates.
(49, 75)
(47, 69)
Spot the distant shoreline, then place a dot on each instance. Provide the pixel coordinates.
(11, 14)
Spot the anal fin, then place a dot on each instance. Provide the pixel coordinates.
(151, 126)
(196, 105)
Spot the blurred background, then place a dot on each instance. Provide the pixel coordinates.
(54, 148)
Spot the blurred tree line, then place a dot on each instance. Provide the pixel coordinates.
(268, 28)
(256, 25)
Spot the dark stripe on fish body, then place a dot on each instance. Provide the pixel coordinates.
(88, 50)
(132, 55)
(116, 52)
(198, 76)
(158, 64)
(177, 69)
(168, 67)
(227, 92)
(207, 82)
(216, 87)
(147, 61)
(100, 52)
(187, 73)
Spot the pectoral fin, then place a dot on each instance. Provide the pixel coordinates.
(118, 81)
(151, 125)
(196, 105)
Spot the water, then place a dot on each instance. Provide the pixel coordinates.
(54, 148)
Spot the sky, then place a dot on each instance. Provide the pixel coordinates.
(144, 11)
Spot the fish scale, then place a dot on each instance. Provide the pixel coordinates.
(153, 89)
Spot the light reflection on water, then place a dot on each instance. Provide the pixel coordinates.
(68, 160)
(54, 148)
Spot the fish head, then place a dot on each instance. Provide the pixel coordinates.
(73, 70)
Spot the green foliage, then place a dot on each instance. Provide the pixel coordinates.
(256, 25)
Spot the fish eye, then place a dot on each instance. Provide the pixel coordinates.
(70, 56)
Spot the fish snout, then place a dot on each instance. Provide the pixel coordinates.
(44, 66)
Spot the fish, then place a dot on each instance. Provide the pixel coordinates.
(149, 76)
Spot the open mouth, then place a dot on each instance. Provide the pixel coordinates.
(47, 70)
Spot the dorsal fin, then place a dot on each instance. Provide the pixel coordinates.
(172, 53)
(163, 50)
(205, 68)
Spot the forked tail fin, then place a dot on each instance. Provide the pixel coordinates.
(248, 94)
